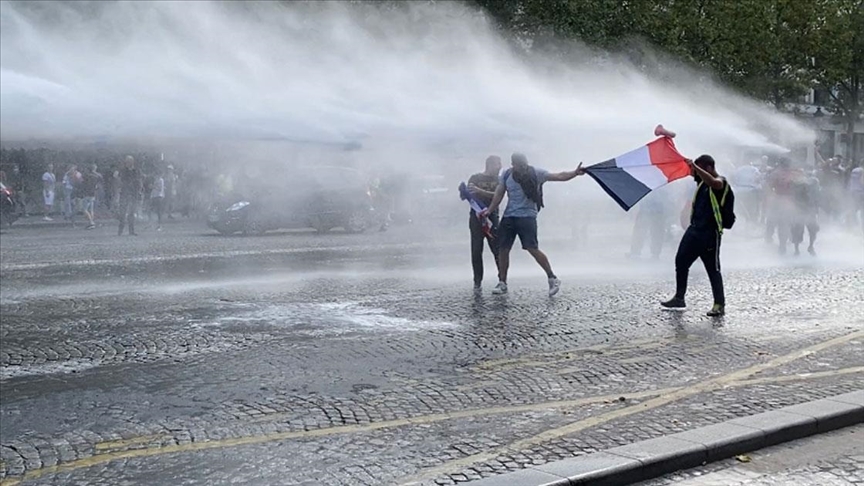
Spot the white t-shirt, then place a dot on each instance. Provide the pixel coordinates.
(747, 177)
(158, 188)
(49, 181)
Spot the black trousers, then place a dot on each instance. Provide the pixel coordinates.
(126, 213)
(704, 245)
(477, 239)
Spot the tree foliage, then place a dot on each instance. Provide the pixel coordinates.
(774, 50)
(764, 48)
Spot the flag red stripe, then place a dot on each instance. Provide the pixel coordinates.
(665, 157)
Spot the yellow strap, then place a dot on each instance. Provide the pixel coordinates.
(714, 206)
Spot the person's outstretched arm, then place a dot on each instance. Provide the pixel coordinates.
(566, 175)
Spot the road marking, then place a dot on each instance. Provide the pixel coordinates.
(801, 376)
(121, 443)
(344, 429)
(662, 397)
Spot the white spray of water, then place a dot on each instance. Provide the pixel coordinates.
(418, 78)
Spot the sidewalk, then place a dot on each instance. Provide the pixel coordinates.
(652, 458)
(33, 222)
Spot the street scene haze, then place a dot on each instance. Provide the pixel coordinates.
(427, 243)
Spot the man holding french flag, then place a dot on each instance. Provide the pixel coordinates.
(479, 192)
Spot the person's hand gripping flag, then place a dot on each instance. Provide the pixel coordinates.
(478, 207)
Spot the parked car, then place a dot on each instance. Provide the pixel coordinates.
(10, 207)
(322, 198)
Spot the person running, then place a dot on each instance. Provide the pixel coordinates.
(482, 185)
(523, 185)
(702, 238)
(49, 181)
(90, 181)
(131, 184)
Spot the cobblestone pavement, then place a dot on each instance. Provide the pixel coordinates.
(833, 459)
(300, 359)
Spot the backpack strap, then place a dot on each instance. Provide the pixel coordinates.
(715, 205)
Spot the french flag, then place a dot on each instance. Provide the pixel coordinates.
(630, 177)
(478, 208)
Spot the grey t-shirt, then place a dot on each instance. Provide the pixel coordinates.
(518, 205)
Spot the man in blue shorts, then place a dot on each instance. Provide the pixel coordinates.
(523, 185)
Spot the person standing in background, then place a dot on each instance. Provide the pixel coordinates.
(131, 184)
(170, 191)
(157, 197)
(90, 182)
(49, 181)
(70, 180)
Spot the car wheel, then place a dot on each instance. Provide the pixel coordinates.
(357, 222)
(253, 226)
(320, 223)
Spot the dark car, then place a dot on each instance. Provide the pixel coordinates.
(322, 198)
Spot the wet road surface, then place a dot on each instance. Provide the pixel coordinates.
(300, 359)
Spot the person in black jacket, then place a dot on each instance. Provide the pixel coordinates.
(702, 238)
(482, 185)
(131, 185)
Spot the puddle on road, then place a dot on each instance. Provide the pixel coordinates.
(322, 319)
(69, 366)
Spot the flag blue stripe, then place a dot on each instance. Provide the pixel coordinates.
(621, 186)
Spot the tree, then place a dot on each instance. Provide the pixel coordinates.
(838, 61)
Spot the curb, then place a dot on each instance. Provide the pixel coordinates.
(652, 458)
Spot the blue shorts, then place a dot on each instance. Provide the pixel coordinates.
(89, 204)
(524, 228)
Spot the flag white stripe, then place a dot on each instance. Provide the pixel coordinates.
(637, 163)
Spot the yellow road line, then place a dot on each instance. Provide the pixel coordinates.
(345, 429)
(801, 376)
(121, 443)
(663, 397)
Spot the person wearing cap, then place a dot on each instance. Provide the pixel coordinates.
(701, 240)
(523, 185)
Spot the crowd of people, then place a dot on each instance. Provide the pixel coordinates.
(784, 200)
(155, 193)
(789, 200)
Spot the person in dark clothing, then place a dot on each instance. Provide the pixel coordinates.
(131, 185)
(806, 193)
(482, 185)
(90, 182)
(702, 238)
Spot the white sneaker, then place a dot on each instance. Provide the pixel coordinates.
(499, 289)
(554, 286)
(46, 218)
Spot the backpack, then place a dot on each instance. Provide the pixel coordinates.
(727, 208)
(508, 173)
